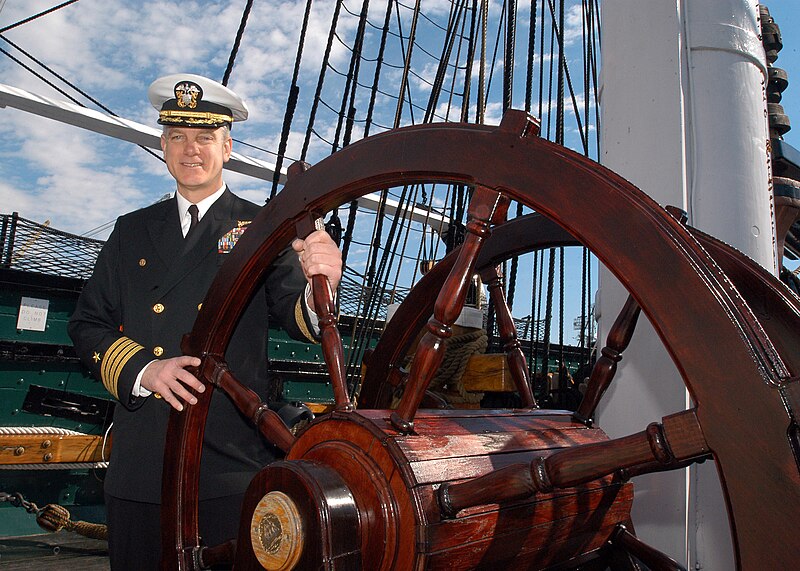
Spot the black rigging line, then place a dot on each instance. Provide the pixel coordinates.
(595, 28)
(374, 274)
(561, 65)
(480, 104)
(237, 42)
(540, 285)
(508, 66)
(548, 315)
(490, 322)
(351, 219)
(564, 73)
(541, 66)
(391, 33)
(291, 104)
(452, 91)
(321, 80)
(533, 322)
(531, 58)
(375, 79)
(395, 66)
(407, 61)
(515, 262)
(35, 16)
(425, 17)
(494, 53)
(508, 97)
(352, 75)
(447, 48)
(377, 271)
(469, 64)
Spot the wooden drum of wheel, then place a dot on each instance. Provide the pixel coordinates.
(411, 489)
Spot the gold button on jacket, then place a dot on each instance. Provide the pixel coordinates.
(158, 308)
(158, 351)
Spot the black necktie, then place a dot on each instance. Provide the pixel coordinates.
(193, 212)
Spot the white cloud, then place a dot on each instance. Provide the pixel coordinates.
(113, 49)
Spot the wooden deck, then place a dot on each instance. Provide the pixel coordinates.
(53, 551)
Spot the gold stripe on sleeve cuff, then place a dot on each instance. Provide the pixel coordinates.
(114, 361)
(300, 318)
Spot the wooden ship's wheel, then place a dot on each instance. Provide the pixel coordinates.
(410, 488)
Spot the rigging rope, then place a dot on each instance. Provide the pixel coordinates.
(35, 16)
(237, 42)
(390, 244)
(351, 84)
(54, 517)
(449, 376)
(320, 80)
(379, 64)
(291, 103)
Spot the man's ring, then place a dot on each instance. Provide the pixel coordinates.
(157, 395)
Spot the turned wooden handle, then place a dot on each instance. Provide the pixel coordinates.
(517, 364)
(619, 337)
(678, 439)
(332, 347)
(487, 207)
(250, 404)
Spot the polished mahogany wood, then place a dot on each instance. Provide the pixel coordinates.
(393, 478)
(677, 439)
(486, 208)
(717, 342)
(619, 336)
(180, 540)
(329, 534)
(247, 400)
(517, 364)
(332, 347)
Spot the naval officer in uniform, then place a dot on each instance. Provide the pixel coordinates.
(149, 281)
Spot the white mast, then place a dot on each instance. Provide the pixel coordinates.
(684, 118)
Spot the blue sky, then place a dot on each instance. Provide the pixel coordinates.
(113, 49)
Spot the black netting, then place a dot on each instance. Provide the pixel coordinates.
(32, 247)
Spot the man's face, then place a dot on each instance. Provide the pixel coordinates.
(195, 157)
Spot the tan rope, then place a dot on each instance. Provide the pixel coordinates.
(458, 350)
(54, 517)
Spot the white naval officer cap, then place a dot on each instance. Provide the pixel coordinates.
(188, 100)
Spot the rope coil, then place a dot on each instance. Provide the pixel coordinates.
(54, 517)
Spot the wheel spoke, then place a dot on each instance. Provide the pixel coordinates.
(678, 439)
(606, 366)
(487, 207)
(332, 347)
(517, 364)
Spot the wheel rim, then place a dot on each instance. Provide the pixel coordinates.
(603, 212)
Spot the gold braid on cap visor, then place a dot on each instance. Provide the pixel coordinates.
(195, 117)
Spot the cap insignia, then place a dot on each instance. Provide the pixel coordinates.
(188, 94)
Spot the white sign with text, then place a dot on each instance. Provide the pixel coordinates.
(32, 314)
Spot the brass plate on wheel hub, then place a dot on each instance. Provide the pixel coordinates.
(276, 532)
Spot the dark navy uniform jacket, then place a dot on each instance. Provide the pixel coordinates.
(143, 296)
